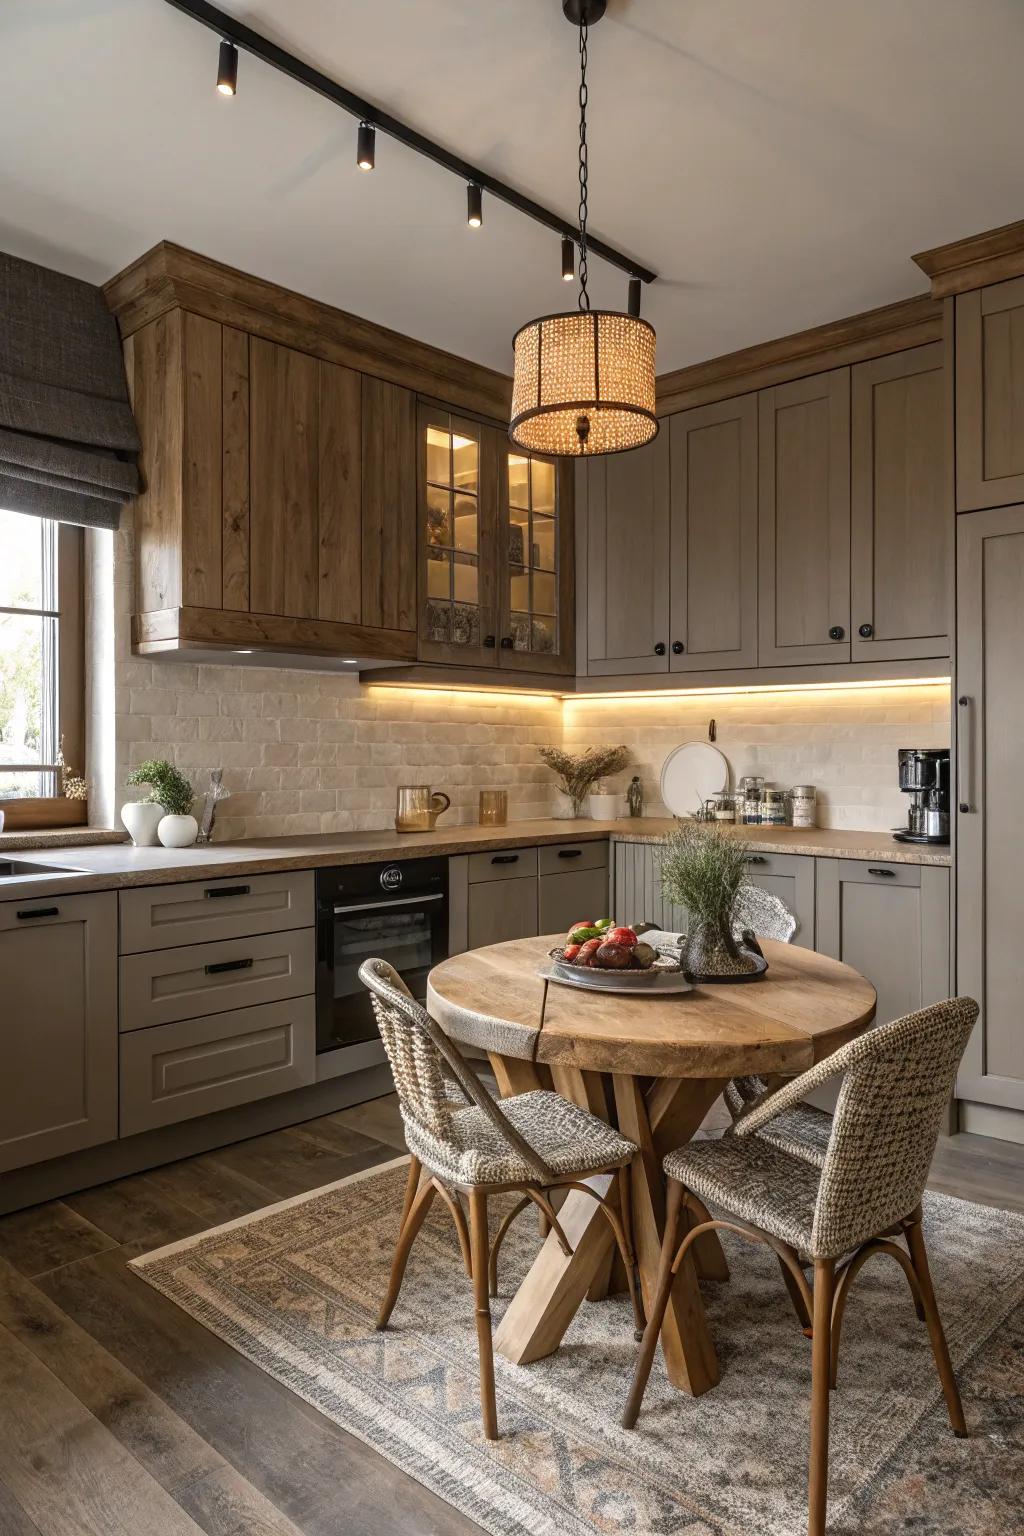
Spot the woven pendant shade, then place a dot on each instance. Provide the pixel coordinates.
(583, 384)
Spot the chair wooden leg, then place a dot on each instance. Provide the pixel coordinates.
(821, 1372)
(670, 1242)
(412, 1184)
(625, 1190)
(480, 1249)
(940, 1349)
(417, 1214)
(796, 1297)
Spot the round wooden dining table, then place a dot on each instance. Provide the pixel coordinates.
(653, 1066)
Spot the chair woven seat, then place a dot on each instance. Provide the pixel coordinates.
(753, 1180)
(569, 1139)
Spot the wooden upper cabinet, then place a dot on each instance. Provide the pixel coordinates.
(901, 533)
(714, 536)
(389, 506)
(284, 481)
(804, 516)
(625, 556)
(990, 396)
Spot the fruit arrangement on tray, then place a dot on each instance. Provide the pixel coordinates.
(605, 946)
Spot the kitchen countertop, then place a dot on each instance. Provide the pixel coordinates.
(115, 867)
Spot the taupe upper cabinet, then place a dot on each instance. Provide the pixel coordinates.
(713, 620)
(989, 831)
(495, 540)
(627, 560)
(804, 518)
(901, 533)
(990, 396)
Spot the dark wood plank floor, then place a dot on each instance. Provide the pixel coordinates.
(119, 1414)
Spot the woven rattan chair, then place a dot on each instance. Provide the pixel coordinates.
(764, 915)
(467, 1143)
(865, 1197)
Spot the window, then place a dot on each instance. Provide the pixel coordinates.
(41, 681)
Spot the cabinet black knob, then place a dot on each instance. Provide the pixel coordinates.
(836, 632)
(506, 642)
(678, 647)
(659, 649)
(866, 631)
(490, 642)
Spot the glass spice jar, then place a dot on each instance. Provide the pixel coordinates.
(803, 805)
(723, 806)
(773, 808)
(752, 790)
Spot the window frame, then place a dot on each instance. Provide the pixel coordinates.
(36, 812)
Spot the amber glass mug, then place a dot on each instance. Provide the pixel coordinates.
(419, 807)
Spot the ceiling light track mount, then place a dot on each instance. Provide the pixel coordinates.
(244, 38)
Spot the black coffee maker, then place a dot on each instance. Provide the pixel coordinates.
(924, 775)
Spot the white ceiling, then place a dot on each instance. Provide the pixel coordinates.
(776, 163)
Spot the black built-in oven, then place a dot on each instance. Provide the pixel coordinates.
(396, 912)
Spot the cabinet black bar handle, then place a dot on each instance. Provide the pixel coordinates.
(41, 912)
(227, 965)
(886, 874)
(570, 853)
(755, 858)
(229, 890)
(505, 858)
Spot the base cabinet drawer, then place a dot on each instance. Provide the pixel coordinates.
(506, 864)
(171, 984)
(198, 1066)
(562, 858)
(200, 911)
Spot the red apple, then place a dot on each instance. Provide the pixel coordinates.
(570, 952)
(621, 936)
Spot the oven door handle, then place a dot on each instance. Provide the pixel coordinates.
(399, 901)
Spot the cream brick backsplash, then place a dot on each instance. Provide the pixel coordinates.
(307, 752)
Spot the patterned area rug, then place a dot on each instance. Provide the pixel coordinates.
(295, 1289)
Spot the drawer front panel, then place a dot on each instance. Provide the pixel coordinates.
(201, 911)
(198, 1066)
(506, 864)
(564, 858)
(774, 863)
(878, 872)
(166, 985)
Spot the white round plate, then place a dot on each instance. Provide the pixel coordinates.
(690, 774)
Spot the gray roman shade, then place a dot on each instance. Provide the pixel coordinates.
(67, 435)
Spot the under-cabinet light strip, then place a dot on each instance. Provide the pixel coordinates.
(465, 691)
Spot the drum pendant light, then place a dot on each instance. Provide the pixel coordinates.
(583, 380)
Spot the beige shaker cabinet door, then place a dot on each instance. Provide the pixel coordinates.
(626, 522)
(714, 536)
(804, 521)
(990, 396)
(901, 530)
(502, 909)
(58, 983)
(569, 898)
(989, 708)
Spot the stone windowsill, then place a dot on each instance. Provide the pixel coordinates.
(59, 837)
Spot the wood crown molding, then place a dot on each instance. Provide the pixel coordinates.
(169, 277)
(892, 328)
(992, 257)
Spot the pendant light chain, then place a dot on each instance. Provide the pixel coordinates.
(584, 298)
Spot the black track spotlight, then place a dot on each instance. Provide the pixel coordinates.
(367, 147)
(568, 259)
(633, 303)
(227, 69)
(474, 205)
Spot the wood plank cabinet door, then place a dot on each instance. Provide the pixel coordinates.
(714, 536)
(626, 522)
(284, 531)
(58, 1088)
(388, 505)
(901, 530)
(989, 829)
(990, 396)
(804, 521)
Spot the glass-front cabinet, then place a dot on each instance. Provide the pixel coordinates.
(496, 550)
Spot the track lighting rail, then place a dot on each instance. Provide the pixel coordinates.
(249, 41)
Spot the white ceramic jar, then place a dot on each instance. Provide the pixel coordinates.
(141, 819)
(178, 831)
(605, 807)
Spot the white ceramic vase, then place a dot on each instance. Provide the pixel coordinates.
(605, 807)
(178, 831)
(141, 819)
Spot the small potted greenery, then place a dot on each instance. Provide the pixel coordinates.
(577, 772)
(704, 869)
(172, 793)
